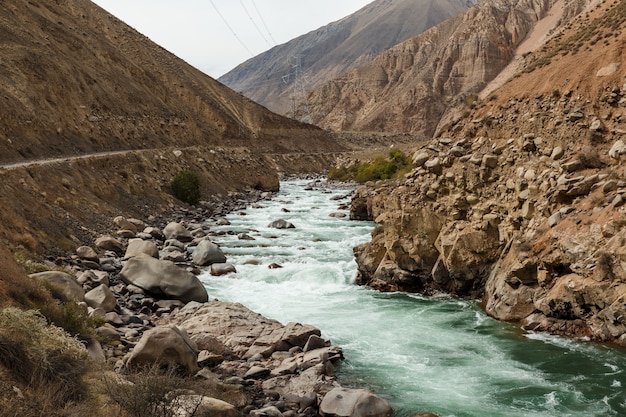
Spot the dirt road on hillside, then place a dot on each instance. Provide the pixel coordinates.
(50, 161)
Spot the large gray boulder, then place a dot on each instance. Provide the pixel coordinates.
(63, 285)
(241, 330)
(163, 278)
(177, 231)
(345, 402)
(207, 253)
(220, 269)
(86, 252)
(101, 297)
(139, 246)
(109, 243)
(166, 345)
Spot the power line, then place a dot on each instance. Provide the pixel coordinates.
(231, 29)
(263, 22)
(254, 23)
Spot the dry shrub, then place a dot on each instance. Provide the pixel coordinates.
(27, 240)
(154, 391)
(147, 392)
(43, 357)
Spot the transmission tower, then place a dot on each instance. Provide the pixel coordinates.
(299, 101)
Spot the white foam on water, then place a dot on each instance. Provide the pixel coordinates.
(439, 354)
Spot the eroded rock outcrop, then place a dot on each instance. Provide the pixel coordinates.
(530, 220)
(410, 87)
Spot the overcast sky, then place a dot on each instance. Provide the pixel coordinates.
(217, 35)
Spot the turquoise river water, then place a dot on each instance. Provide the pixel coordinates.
(442, 354)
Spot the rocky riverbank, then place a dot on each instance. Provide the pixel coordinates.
(141, 281)
(529, 219)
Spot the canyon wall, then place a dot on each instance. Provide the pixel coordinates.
(410, 87)
(521, 203)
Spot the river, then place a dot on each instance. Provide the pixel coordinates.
(441, 354)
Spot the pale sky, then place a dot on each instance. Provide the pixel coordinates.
(217, 35)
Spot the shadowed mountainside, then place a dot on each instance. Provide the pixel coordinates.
(336, 48)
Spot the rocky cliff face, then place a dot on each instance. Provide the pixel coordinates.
(410, 87)
(336, 48)
(521, 203)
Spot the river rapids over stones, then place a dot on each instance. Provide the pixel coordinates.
(438, 354)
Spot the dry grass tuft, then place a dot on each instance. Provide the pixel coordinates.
(47, 362)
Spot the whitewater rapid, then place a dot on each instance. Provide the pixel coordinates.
(442, 354)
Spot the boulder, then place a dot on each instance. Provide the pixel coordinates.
(163, 278)
(124, 224)
(93, 276)
(308, 359)
(242, 331)
(281, 224)
(207, 253)
(434, 166)
(457, 151)
(200, 406)
(154, 232)
(101, 297)
(344, 402)
(177, 231)
(64, 286)
(301, 387)
(269, 411)
(490, 161)
(617, 150)
(167, 345)
(420, 158)
(109, 243)
(220, 269)
(140, 246)
(596, 125)
(86, 252)
(557, 153)
(465, 257)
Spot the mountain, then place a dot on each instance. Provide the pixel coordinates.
(520, 201)
(336, 48)
(94, 118)
(412, 86)
(75, 79)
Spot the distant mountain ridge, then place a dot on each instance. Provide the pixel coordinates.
(415, 85)
(336, 48)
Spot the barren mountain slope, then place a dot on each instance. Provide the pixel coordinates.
(408, 88)
(75, 79)
(337, 48)
(522, 200)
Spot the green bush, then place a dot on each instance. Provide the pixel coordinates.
(186, 187)
(396, 164)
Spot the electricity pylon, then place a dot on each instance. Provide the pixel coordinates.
(299, 101)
